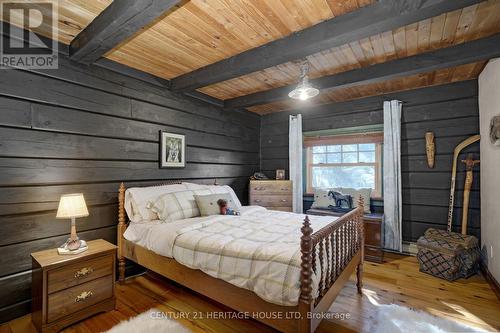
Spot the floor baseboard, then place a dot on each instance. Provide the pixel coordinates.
(490, 279)
(410, 248)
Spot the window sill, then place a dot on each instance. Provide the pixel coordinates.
(371, 198)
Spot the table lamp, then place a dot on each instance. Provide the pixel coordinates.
(72, 206)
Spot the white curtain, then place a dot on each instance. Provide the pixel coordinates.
(295, 157)
(393, 209)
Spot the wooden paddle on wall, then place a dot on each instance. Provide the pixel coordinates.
(469, 178)
(458, 149)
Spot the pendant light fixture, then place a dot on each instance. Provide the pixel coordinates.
(304, 89)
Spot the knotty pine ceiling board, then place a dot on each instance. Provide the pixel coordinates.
(444, 76)
(73, 17)
(202, 32)
(445, 30)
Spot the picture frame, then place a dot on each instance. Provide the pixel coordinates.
(280, 174)
(172, 150)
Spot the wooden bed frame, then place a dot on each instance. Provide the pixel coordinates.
(333, 252)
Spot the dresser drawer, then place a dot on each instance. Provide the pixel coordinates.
(283, 209)
(71, 300)
(272, 200)
(270, 187)
(77, 273)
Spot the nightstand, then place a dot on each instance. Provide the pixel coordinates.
(69, 288)
(373, 232)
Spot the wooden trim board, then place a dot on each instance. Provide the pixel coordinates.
(490, 279)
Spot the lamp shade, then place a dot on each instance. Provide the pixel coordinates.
(72, 205)
(304, 89)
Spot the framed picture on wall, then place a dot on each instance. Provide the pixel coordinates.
(172, 150)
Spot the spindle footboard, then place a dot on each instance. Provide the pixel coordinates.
(330, 255)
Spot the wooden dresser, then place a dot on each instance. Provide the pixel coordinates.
(373, 232)
(272, 194)
(69, 288)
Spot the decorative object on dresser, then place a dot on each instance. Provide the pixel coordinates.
(373, 232)
(72, 206)
(469, 178)
(258, 176)
(462, 145)
(430, 149)
(68, 289)
(272, 194)
(280, 174)
(172, 150)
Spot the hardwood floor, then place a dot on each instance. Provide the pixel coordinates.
(397, 280)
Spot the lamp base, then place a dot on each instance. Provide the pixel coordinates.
(73, 246)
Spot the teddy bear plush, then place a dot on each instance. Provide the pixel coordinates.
(224, 209)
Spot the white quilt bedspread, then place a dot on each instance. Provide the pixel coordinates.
(258, 251)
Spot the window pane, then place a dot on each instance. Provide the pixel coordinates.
(343, 176)
(350, 157)
(367, 157)
(334, 149)
(319, 149)
(349, 147)
(367, 147)
(334, 158)
(319, 158)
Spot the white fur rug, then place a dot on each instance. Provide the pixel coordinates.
(395, 319)
(146, 323)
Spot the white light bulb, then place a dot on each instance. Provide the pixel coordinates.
(303, 96)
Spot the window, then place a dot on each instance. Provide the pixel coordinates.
(345, 161)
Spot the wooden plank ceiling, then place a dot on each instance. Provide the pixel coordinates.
(201, 32)
(73, 16)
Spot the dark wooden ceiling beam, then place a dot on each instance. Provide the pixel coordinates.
(119, 21)
(466, 53)
(379, 17)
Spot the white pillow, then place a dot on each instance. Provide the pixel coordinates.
(208, 204)
(137, 199)
(175, 206)
(219, 189)
(321, 199)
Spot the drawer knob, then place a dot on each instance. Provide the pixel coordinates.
(83, 272)
(257, 200)
(283, 200)
(83, 296)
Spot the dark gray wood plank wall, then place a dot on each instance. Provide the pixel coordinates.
(86, 129)
(450, 111)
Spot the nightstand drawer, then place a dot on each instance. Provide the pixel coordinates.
(272, 200)
(80, 272)
(71, 300)
(270, 187)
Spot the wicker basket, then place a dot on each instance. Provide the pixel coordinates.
(448, 255)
